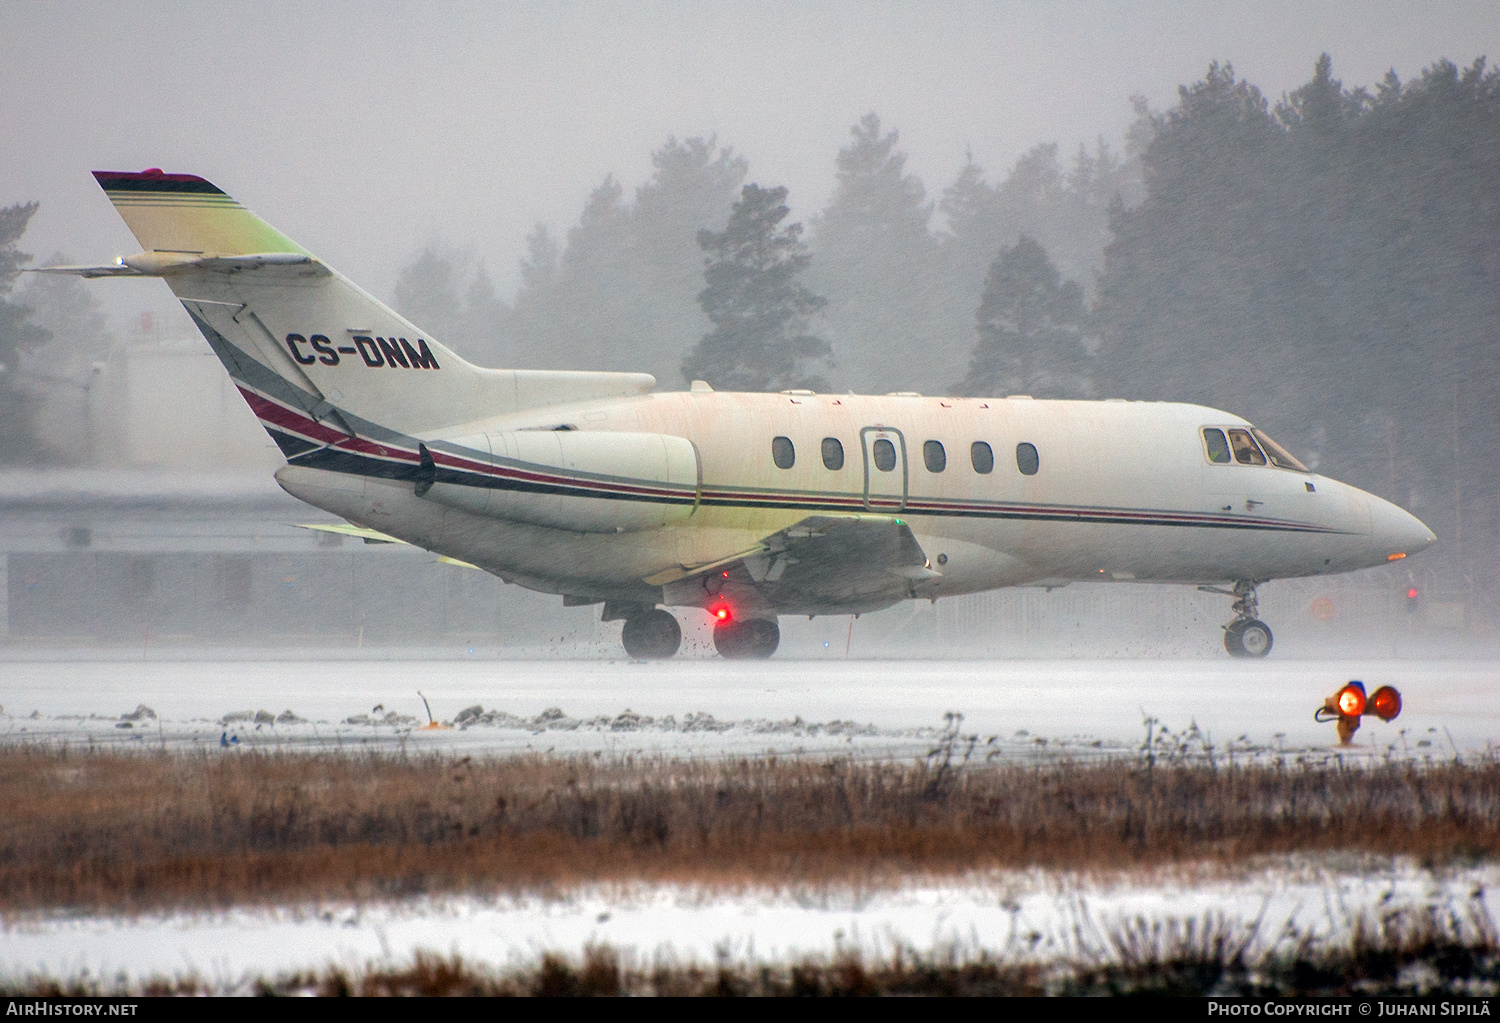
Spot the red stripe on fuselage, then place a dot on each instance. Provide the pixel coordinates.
(300, 423)
(268, 411)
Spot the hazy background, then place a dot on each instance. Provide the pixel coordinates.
(366, 130)
(1311, 245)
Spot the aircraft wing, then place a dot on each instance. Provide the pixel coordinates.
(828, 561)
(374, 536)
(345, 529)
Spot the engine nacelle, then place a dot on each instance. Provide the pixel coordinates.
(584, 481)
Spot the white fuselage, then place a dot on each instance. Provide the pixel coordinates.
(1122, 491)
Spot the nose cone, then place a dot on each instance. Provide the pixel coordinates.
(1394, 531)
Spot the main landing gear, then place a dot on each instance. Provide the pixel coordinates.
(651, 634)
(747, 638)
(1247, 635)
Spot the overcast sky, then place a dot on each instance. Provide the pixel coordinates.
(366, 130)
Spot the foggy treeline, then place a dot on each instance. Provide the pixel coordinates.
(51, 328)
(1329, 267)
(622, 289)
(1326, 264)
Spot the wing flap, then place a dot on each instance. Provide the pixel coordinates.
(829, 559)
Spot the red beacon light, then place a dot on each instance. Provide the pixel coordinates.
(720, 612)
(1386, 703)
(1350, 703)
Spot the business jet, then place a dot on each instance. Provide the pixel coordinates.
(744, 507)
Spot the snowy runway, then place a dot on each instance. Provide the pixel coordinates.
(868, 708)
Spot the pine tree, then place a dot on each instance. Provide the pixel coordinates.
(450, 294)
(487, 320)
(694, 185)
(1031, 330)
(876, 265)
(18, 334)
(969, 206)
(620, 294)
(756, 302)
(426, 293)
(69, 309)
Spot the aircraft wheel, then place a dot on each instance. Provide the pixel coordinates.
(1248, 637)
(651, 636)
(750, 639)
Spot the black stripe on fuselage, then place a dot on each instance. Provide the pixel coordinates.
(291, 446)
(333, 460)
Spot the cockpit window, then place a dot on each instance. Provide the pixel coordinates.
(1280, 456)
(1245, 450)
(1217, 446)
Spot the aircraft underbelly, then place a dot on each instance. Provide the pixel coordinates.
(533, 555)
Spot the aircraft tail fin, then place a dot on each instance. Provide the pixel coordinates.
(327, 367)
(185, 214)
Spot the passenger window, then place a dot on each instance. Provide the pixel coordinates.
(982, 457)
(1217, 446)
(1027, 460)
(782, 452)
(885, 455)
(1245, 451)
(1280, 456)
(833, 453)
(933, 456)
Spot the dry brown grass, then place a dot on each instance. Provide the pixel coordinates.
(1422, 953)
(127, 832)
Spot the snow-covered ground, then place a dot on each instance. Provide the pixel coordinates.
(1019, 916)
(868, 708)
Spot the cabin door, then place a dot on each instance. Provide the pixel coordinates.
(885, 468)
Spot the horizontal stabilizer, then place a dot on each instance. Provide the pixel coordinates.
(107, 270)
(160, 264)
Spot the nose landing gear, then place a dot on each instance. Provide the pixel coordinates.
(1247, 635)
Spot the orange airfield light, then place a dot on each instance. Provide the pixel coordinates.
(1351, 701)
(1349, 704)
